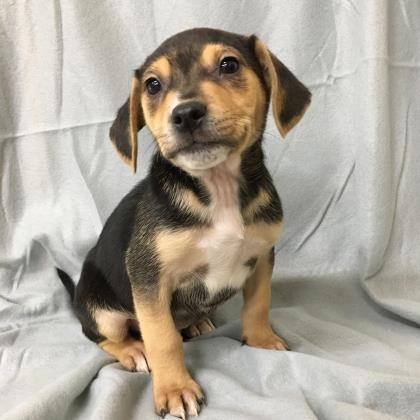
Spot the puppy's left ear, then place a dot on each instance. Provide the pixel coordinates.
(127, 124)
(289, 97)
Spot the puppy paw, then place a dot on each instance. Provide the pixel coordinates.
(203, 327)
(181, 400)
(133, 357)
(265, 340)
(130, 353)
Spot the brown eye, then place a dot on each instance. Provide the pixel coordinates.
(229, 65)
(153, 86)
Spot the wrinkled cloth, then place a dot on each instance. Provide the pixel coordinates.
(346, 286)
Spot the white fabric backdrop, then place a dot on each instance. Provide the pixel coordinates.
(347, 276)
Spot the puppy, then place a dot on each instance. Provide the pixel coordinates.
(203, 224)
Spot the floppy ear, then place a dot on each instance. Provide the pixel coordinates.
(289, 97)
(127, 124)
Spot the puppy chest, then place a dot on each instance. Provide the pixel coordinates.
(231, 253)
(229, 258)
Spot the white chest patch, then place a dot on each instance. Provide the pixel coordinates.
(228, 245)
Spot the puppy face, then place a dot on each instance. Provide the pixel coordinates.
(204, 95)
(202, 104)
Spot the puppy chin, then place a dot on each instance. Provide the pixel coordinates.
(195, 162)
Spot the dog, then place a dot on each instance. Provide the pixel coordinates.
(203, 224)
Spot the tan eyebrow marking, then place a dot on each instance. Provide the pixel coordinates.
(161, 68)
(212, 53)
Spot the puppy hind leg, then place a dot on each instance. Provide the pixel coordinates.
(130, 353)
(199, 328)
(118, 343)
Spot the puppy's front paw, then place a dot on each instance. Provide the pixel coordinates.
(180, 399)
(265, 340)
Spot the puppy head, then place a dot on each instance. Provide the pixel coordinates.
(204, 95)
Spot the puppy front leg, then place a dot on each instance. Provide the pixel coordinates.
(256, 327)
(174, 390)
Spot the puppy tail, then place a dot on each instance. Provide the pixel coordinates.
(67, 282)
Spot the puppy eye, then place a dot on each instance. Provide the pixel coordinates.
(153, 85)
(229, 65)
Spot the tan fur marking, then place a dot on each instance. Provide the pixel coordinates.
(238, 112)
(277, 91)
(160, 68)
(178, 252)
(261, 200)
(212, 53)
(269, 232)
(134, 120)
(135, 123)
(256, 328)
(112, 324)
(158, 122)
(277, 96)
(129, 352)
(188, 201)
(162, 341)
(165, 353)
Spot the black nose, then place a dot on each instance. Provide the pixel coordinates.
(188, 115)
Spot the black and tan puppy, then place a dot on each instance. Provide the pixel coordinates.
(203, 224)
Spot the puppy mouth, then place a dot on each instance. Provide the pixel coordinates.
(202, 155)
(205, 146)
(201, 147)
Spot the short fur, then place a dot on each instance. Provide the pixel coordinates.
(185, 240)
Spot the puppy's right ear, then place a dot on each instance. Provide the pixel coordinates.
(127, 124)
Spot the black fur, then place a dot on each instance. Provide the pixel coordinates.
(67, 282)
(255, 177)
(104, 280)
(119, 132)
(272, 256)
(252, 262)
(183, 49)
(192, 305)
(152, 206)
(297, 96)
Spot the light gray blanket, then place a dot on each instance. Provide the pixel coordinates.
(346, 292)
